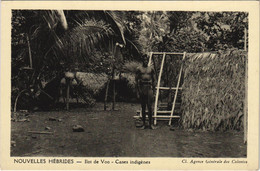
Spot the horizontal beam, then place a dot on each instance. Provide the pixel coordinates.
(164, 119)
(166, 116)
(166, 104)
(164, 111)
(160, 116)
(167, 53)
(168, 88)
(138, 112)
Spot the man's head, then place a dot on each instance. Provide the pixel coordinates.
(145, 60)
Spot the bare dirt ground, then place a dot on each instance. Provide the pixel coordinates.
(114, 134)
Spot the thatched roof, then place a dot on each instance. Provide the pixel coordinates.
(92, 80)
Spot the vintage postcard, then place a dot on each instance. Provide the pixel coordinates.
(129, 85)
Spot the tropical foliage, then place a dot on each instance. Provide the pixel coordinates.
(48, 42)
(192, 31)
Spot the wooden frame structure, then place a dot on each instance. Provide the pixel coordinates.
(164, 114)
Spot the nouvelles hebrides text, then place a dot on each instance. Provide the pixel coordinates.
(44, 161)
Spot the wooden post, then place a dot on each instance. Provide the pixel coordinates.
(114, 94)
(114, 52)
(175, 96)
(158, 89)
(29, 49)
(177, 88)
(106, 94)
(68, 93)
(150, 59)
(114, 89)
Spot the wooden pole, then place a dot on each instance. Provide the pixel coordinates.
(114, 91)
(177, 88)
(40, 132)
(169, 81)
(158, 89)
(150, 59)
(106, 94)
(113, 76)
(114, 94)
(68, 93)
(175, 96)
(29, 49)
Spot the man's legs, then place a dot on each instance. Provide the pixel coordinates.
(149, 106)
(143, 105)
(150, 115)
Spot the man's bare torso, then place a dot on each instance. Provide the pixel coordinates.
(145, 73)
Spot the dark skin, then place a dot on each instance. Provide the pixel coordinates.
(145, 81)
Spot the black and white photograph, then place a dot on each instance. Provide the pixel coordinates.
(129, 85)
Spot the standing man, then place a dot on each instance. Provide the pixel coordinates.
(145, 82)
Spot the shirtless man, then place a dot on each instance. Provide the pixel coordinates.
(145, 82)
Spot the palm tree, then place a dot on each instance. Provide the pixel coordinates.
(56, 37)
(89, 29)
(88, 32)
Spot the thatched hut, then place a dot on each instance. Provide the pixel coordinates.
(213, 95)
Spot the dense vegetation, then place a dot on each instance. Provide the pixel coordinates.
(88, 43)
(47, 43)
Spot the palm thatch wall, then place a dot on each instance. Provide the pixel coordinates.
(214, 90)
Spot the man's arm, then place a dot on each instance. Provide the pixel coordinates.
(137, 78)
(153, 79)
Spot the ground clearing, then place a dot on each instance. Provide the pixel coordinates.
(113, 134)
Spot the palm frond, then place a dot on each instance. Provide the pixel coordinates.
(81, 40)
(133, 48)
(54, 17)
(117, 21)
(62, 18)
